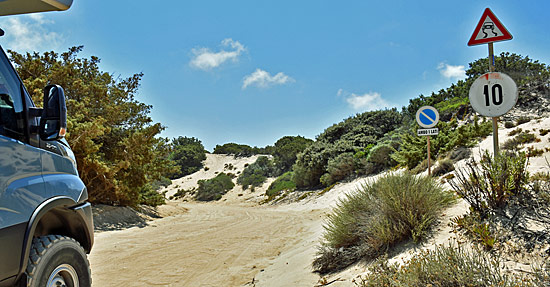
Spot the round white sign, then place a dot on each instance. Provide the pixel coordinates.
(427, 117)
(493, 94)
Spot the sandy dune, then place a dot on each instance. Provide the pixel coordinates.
(210, 245)
(237, 242)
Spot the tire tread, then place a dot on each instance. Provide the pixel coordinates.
(40, 246)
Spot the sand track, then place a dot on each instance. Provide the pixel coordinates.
(209, 245)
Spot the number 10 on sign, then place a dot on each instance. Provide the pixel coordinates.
(493, 94)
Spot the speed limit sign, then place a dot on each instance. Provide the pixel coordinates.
(493, 94)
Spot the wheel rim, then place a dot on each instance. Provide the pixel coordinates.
(63, 276)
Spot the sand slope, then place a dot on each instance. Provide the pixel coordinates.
(237, 242)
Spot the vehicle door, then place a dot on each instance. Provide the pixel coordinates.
(21, 182)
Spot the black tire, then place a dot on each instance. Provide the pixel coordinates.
(57, 260)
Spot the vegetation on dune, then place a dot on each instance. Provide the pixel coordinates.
(451, 135)
(339, 144)
(240, 150)
(282, 183)
(214, 188)
(255, 174)
(369, 222)
(115, 142)
(447, 266)
(187, 154)
(286, 149)
(502, 195)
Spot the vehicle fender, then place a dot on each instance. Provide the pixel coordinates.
(59, 204)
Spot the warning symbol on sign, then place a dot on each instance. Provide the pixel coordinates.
(489, 29)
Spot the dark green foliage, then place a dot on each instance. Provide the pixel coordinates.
(180, 193)
(379, 158)
(449, 102)
(534, 152)
(283, 182)
(381, 214)
(350, 136)
(338, 168)
(460, 153)
(523, 120)
(162, 182)
(240, 150)
(444, 166)
(489, 185)
(521, 138)
(453, 102)
(509, 124)
(286, 149)
(446, 266)
(115, 142)
(478, 231)
(451, 135)
(544, 132)
(521, 69)
(214, 188)
(148, 195)
(256, 173)
(188, 155)
(515, 132)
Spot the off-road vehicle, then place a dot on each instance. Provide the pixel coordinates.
(46, 224)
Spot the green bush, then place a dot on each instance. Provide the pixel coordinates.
(188, 155)
(349, 136)
(515, 132)
(214, 188)
(544, 132)
(283, 182)
(520, 139)
(338, 168)
(446, 266)
(380, 158)
(286, 150)
(381, 214)
(451, 135)
(509, 124)
(256, 173)
(239, 150)
(460, 153)
(444, 166)
(116, 143)
(523, 120)
(490, 184)
(162, 182)
(150, 196)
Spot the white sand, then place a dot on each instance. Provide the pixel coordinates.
(237, 242)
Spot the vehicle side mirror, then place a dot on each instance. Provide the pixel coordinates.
(53, 123)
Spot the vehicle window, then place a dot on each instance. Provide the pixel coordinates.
(11, 106)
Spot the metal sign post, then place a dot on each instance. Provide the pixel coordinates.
(427, 117)
(496, 148)
(489, 30)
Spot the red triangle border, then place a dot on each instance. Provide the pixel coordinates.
(488, 12)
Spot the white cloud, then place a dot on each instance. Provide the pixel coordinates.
(449, 71)
(205, 59)
(263, 79)
(369, 101)
(29, 33)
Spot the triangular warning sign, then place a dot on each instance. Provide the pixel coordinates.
(489, 29)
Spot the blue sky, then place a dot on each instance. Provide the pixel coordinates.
(252, 72)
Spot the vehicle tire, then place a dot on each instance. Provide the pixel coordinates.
(57, 260)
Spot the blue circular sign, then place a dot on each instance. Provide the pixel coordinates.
(427, 117)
